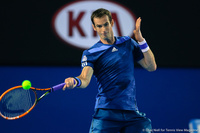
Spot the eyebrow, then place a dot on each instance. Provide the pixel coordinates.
(105, 24)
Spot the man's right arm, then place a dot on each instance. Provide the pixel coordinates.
(84, 77)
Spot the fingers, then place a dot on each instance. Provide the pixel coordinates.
(70, 83)
(138, 23)
(137, 31)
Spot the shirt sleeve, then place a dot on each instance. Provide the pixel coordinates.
(138, 55)
(87, 60)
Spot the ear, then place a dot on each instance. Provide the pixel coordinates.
(94, 27)
(112, 22)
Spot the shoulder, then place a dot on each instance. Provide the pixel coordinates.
(95, 51)
(122, 39)
(125, 39)
(96, 48)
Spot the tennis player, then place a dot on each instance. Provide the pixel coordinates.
(111, 61)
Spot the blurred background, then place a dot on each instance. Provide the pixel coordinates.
(42, 41)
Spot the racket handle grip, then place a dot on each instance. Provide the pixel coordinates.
(58, 87)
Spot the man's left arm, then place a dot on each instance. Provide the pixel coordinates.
(148, 62)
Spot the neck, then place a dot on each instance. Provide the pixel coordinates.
(108, 40)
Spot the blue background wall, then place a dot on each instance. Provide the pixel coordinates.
(169, 97)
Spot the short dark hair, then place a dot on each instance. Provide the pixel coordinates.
(100, 13)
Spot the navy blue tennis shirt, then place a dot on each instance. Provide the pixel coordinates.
(113, 67)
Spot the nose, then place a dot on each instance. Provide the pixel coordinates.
(104, 29)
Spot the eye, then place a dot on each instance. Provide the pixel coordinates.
(99, 26)
(106, 24)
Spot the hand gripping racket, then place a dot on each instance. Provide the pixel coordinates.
(17, 102)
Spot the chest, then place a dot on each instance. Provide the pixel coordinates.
(115, 57)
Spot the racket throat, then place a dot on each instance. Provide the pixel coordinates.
(45, 94)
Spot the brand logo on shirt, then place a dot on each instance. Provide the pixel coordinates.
(114, 49)
(84, 60)
(72, 24)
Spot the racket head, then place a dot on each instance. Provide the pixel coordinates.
(17, 102)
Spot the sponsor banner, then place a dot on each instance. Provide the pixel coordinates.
(72, 23)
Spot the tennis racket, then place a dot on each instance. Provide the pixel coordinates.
(17, 102)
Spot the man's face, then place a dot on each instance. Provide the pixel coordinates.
(103, 27)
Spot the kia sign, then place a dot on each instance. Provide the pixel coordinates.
(72, 23)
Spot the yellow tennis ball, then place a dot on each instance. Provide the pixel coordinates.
(26, 84)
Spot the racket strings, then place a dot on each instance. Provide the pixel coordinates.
(16, 102)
